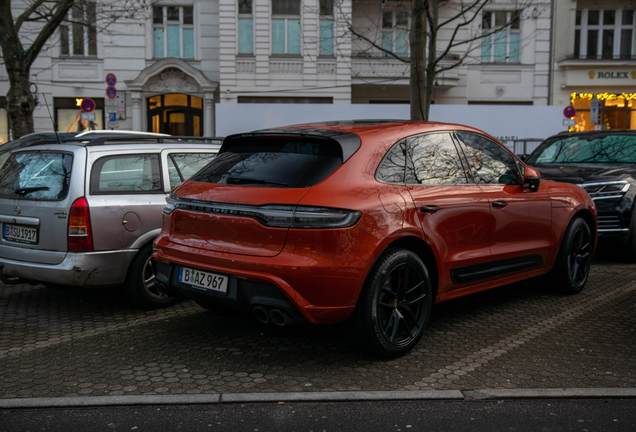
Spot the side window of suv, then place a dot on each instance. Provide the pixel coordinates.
(489, 162)
(126, 174)
(391, 169)
(433, 160)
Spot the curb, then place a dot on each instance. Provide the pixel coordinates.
(216, 398)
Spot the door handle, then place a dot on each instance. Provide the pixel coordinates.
(429, 209)
(499, 204)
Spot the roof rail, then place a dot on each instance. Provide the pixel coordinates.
(150, 139)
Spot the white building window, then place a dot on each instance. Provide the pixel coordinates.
(604, 34)
(78, 37)
(502, 46)
(326, 28)
(173, 31)
(395, 33)
(245, 27)
(286, 27)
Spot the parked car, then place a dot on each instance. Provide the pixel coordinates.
(367, 221)
(85, 213)
(604, 164)
(39, 138)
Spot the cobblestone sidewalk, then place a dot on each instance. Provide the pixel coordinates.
(71, 342)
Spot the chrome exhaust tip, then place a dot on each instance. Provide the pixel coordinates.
(281, 318)
(261, 314)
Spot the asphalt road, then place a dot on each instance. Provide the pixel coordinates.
(393, 416)
(81, 342)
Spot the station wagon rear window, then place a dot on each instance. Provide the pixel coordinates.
(273, 162)
(36, 176)
(126, 174)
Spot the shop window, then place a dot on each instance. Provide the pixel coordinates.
(286, 31)
(604, 34)
(68, 115)
(395, 33)
(245, 27)
(326, 44)
(173, 31)
(78, 36)
(618, 111)
(4, 122)
(501, 37)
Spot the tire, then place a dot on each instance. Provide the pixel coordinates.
(140, 287)
(573, 262)
(395, 305)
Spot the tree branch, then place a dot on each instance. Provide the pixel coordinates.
(58, 15)
(26, 15)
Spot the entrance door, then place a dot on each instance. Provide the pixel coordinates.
(176, 114)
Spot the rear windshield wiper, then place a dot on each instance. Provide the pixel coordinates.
(245, 180)
(28, 190)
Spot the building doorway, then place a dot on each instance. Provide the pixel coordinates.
(176, 114)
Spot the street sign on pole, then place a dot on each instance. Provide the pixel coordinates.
(87, 105)
(111, 80)
(111, 92)
(595, 110)
(569, 112)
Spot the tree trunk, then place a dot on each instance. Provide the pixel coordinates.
(20, 103)
(417, 36)
(431, 64)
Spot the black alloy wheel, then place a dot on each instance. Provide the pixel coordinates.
(572, 266)
(395, 305)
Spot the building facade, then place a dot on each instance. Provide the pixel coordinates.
(594, 62)
(162, 65)
(338, 51)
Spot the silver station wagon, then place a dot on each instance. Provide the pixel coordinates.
(85, 214)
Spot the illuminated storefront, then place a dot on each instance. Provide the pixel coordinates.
(617, 111)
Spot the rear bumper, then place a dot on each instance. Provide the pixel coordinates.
(86, 269)
(321, 293)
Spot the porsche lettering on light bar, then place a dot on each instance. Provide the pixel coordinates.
(278, 216)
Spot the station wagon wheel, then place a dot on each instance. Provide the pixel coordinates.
(140, 286)
(573, 262)
(395, 305)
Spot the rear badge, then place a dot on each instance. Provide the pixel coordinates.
(60, 214)
(17, 210)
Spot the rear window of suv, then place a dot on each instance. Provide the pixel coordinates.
(36, 176)
(273, 162)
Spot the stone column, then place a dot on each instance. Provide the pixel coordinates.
(136, 112)
(209, 126)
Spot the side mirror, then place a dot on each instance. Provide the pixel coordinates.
(532, 179)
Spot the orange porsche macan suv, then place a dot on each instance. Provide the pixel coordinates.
(368, 222)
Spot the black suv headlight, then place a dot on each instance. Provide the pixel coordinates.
(606, 190)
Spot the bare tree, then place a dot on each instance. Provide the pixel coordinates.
(21, 45)
(427, 51)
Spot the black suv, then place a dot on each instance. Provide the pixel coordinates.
(604, 164)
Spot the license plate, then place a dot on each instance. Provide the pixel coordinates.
(19, 234)
(202, 279)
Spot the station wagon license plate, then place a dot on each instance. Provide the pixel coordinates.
(19, 234)
(202, 279)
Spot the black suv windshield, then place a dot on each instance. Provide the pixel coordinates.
(586, 149)
(36, 175)
(273, 162)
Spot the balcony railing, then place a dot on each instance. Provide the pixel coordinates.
(600, 57)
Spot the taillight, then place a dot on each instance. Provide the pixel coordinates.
(80, 236)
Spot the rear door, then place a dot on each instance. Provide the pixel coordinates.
(37, 189)
(453, 211)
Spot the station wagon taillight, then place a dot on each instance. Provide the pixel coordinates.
(80, 236)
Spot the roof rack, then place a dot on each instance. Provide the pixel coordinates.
(149, 140)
